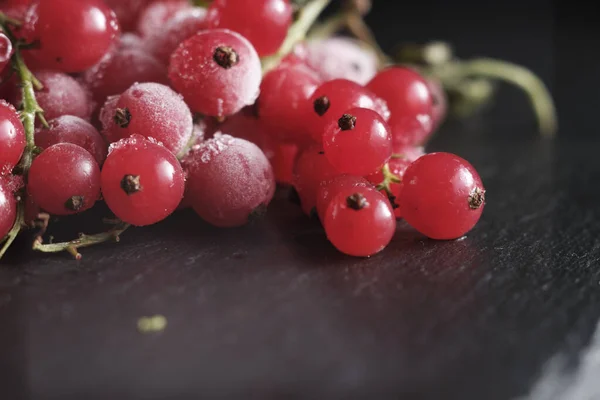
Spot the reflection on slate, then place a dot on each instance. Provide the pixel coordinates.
(273, 311)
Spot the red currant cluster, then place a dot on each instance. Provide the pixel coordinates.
(209, 107)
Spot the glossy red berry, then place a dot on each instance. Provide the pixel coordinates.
(73, 35)
(330, 188)
(311, 169)
(142, 181)
(6, 51)
(184, 24)
(71, 129)
(230, 181)
(120, 69)
(12, 136)
(442, 196)
(361, 223)
(153, 111)
(156, 15)
(283, 159)
(410, 102)
(61, 95)
(263, 22)
(335, 97)
(284, 102)
(64, 179)
(217, 71)
(342, 58)
(358, 143)
(8, 207)
(244, 125)
(128, 12)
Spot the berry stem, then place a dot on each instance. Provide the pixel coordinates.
(539, 96)
(388, 179)
(14, 232)
(297, 32)
(83, 241)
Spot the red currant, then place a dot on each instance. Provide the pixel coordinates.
(332, 187)
(335, 97)
(410, 102)
(217, 71)
(156, 15)
(8, 207)
(358, 143)
(359, 222)
(342, 58)
(263, 22)
(64, 179)
(71, 129)
(440, 102)
(184, 24)
(154, 111)
(142, 181)
(442, 196)
(230, 181)
(12, 136)
(244, 125)
(73, 35)
(284, 101)
(61, 95)
(6, 51)
(283, 160)
(312, 168)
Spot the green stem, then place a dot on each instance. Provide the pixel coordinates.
(14, 232)
(83, 241)
(306, 18)
(539, 96)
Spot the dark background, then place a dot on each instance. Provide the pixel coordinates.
(273, 311)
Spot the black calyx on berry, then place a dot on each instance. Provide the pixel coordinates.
(226, 57)
(122, 117)
(476, 198)
(321, 105)
(357, 201)
(347, 122)
(75, 203)
(131, 184)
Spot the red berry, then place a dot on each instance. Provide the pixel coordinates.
(442, 196)
(440, 102)
(358, 143)
(312, 168)
(153, 111)
(329, 188)
(8, 207)
(71, 129)
(359, 222)
(129, 41)
(410, 102)
(243, 124)
(64, 179)
(6, 51)
(120, 69)
(230, 181)
(184, 24)
(128, 11)
(142, 181)
(283, 160)
(156, 15)
(263, 22)
(73, 35)
(284, 102)
(335, 97)
(342, 58)
(61, 95)
(217, 71)
(12, 136)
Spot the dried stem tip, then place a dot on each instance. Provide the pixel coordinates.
(131, 184)
(226, 57)
(321, 105)
(75, 203)
(476, 198)
(347, 122)
(122, 117)
(357, 201)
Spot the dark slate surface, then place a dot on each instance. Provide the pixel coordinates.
(273, 311)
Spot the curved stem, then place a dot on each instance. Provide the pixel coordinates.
(540, 97)
(83, 241)
(306, 18)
